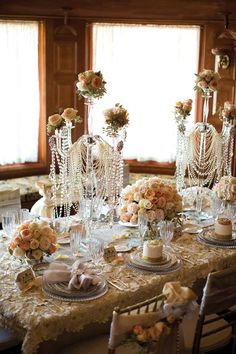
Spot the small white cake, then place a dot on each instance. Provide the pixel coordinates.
(223, 229)
(152, 250)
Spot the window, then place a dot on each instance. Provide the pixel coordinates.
(19, 92)
(147, 68)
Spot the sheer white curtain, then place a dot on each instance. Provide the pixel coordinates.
(147, 69)
(19, 92)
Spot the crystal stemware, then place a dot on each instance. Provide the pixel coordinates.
(166, 229)
(9, 222)
(142, 226)
(96, 250)
(77, 235)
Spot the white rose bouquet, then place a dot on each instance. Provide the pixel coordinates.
(207, 79)
(57, 121)
(91, 84)
(154, 197)
(32, 239)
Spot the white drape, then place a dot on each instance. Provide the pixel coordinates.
(19, 92)
(147, 69)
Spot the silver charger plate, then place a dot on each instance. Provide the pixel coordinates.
(207, 237)
(61, 292)
(172, 265)
(137, 257)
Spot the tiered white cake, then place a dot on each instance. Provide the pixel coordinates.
(223, 229)
(152, 250)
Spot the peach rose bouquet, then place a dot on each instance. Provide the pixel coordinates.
(116, 118)
(228, 112)
(225, 189)
(207, 80)
(153, 197)
(91, 84)
(57, 121)
(183, 109)
(33, 239)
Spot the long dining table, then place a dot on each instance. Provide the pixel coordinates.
(38, 319)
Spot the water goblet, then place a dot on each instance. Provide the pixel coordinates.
(166, 229)
(77, 234)
(22, 215)
(9, 223)
(142, 226)
(96, 250)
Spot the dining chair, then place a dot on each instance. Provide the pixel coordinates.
(215, 326)
(145, 313)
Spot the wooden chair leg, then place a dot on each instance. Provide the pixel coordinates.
(111, 351)
(197, 337)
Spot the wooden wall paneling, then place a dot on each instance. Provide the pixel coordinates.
(123, 9)
(68, 59)
(227, 84)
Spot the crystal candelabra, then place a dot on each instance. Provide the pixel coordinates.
(228, 118)
(60, 144)
(115, 178)
(199, 154)
(90, 173)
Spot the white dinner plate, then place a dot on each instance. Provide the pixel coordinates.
(193, 230)
(127, 224)
(123, 248)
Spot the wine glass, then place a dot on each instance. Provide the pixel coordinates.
(96, 249)
(166, 229)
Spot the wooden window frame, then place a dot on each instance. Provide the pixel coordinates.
(152, 167)
(41, 166)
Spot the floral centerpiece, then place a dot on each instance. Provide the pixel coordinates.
(183, 109)
(228, 112)
(57, 121)
(153, 197)
(115, 119)
(91, 84)
(207, 80)
(226, 188)
(33, 239)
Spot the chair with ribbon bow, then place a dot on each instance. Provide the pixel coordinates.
(151, 325)
(215, 326)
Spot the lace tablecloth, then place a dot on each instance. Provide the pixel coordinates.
(37, 318)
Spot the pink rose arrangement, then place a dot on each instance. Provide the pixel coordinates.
(32, 239)
(91, 84)
(57, 121)
(183, 109)
(153, 333)
(228, 112)
(226, 188)
(115, 118)
(207, 80)
(153, 197)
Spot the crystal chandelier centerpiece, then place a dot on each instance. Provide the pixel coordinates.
(91, 169)
(203, 154)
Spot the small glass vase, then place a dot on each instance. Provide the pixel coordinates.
(32, 262)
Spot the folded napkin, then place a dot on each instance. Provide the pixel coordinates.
(78, 276)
